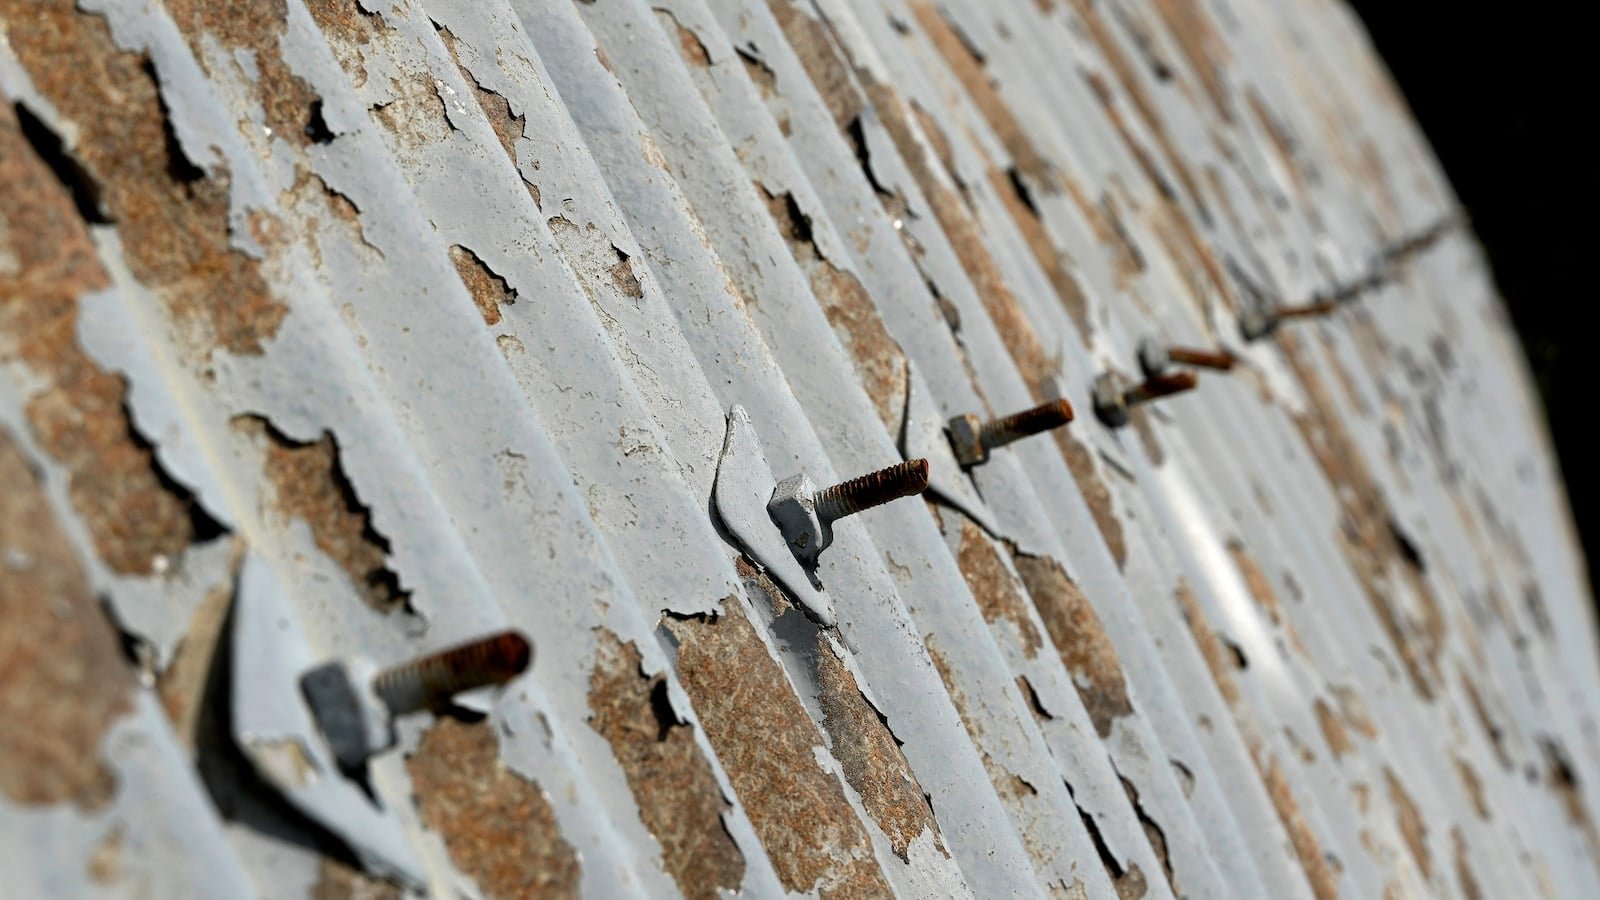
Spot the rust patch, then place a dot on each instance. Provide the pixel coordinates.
(135, 513)
(1468, 882)
(416, 116)
(1256, 580)
(1306, 846)
(1153, 833)
(311, 195)
(1491, 728)
(879, 362)
(1333, 730)
(871, 757)
(309, 482)
(1371, 545)
(967, 66)
(1409, 820)
(690, 47)
(1095, 493)
(338, 881)
(63, 681)
(1211, 648)
(291, 108)
(498, 827)
(105, 862)
(767, 745)
(183, 684)
(1081, 641)
(172, 216)
(1354, 710)
(489, 291)
(1197, 38)
(1014, 193)
(1474, 788)
(497, 109)
(829, 74)
(672, 782)
(994, 587)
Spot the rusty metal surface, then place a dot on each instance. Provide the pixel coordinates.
(354, 329)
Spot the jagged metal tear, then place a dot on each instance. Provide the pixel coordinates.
(744, 484)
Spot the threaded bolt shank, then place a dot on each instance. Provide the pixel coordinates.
(431, 680)
(1045, 416)
(906, 479)
(1160, 386)
(1206, 359)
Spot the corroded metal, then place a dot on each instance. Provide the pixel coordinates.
(350, 328)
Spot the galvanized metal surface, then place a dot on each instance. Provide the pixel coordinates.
(352, 329)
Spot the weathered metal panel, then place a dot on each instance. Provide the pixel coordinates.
(352, 329)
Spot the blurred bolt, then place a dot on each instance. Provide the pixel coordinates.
(431, 680)
(972, 439)
(355, 706)
(1112, 400)
(806, 515)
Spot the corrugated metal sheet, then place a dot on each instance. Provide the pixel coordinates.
(352, 329)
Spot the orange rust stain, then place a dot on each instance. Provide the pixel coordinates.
(879, 362)
(489, 291)
(1057, 267)
(1080, 639)
(1370, 545)
(871, 758)
(767, 745)
(134, 514)
(1470, 890)
(1324, 884)
(171, 215)
(814, 46)
(498, 827)
(63, 681)
(1095, 493)
(672, 782)
(1203, 46)
(998, 594)
(1211, 648)
(1409, 820)
(1474, 788)
(1333, 730)
(507, 127)
(308, 481)
(965, 64)
(255, 27)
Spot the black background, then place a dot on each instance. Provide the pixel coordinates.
(1506, 96)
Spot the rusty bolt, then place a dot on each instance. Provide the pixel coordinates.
(1255, 324)
(1155, 357)
(431, 680)
(806, 515)
(1113, 400)
(355, 705)
(972, 438)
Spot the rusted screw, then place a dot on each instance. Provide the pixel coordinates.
(972, 438)
(806, 515)
(1256, 323)
(430, 681)
(355, 705)
(1155, 357)
(1112, 400)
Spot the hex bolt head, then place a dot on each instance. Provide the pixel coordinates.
(806, 515)
(353, 720)
(966, 439)
(1113, 399)
(1256, 323)
(793, 509)
(1153, 357)
(972, 440)
(1110, 401)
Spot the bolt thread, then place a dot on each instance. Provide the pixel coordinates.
(1160, 386)
(430, 681)
(1206, 359)
(1308, 310)
(906, 479)
(1045, 416)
